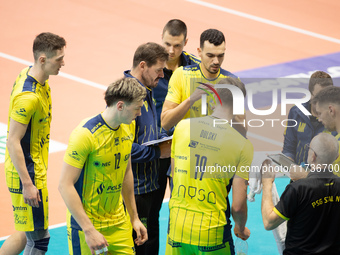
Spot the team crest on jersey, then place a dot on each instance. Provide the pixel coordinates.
(127, 138)
(116, 141)
(146, 106)
(193, 144)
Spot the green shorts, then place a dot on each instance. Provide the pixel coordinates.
(28, 218)
(119, 238)
(176, 248)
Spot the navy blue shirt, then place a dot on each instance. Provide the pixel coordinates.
(145, 159)
(297, 137)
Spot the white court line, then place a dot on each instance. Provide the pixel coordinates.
(99, 86)
(50, 227)
(65, 75)
(265, 139)
(265, 21)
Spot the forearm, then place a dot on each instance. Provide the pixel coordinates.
(75, 206)
(129, 195)
(18, 159)
(239, 206)
(240, 218)
(267, 203)
(170, 117)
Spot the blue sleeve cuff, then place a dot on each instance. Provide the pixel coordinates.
(157, 151)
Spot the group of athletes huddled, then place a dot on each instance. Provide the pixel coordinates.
(113, 185)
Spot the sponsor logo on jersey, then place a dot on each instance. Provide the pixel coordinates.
(19, 208)
(193, 144)
(116, 141)
(96, 127)
(109, 189)
(20, 220)
(127, 138)
(74, 155)
(21, 112)
(127, 156)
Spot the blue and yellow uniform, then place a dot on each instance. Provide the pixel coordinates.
(30, 104)
(145, 159)
(299, 133)
(159, 93)
(206, 158)
(103, 154)
(185, 80)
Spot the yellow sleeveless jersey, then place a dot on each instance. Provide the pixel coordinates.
(103, 154)
(30, 103)
(183, 83)
(206, 158)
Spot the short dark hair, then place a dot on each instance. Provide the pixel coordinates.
(124, 89)
(176, 27)
(320, 77)
(47, 43)
(329, 94)
(214, 36)
(225, 94)
(150, 52)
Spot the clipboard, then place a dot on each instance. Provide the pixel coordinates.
(281, 160)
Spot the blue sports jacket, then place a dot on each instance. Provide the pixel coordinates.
(296, 138)
(145, 159)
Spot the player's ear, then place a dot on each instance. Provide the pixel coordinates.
(142, 65)
(120, 105)
(185, 41)
(42, 59)
(199, 52)
(331, 109)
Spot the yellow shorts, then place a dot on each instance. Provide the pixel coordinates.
(175, 248)
(28, 218)
(119, 238)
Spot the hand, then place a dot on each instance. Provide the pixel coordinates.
(244, 234)
(268, 175)
(141, 232)
(198, 92)
(96, 242)
(31, 195)
(165, 149)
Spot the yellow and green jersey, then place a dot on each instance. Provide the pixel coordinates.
(103, 154)
(30, 104)
(183, 83)
(206, 158)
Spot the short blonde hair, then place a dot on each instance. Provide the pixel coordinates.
(124, 89)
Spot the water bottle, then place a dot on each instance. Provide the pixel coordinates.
(241, 247)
